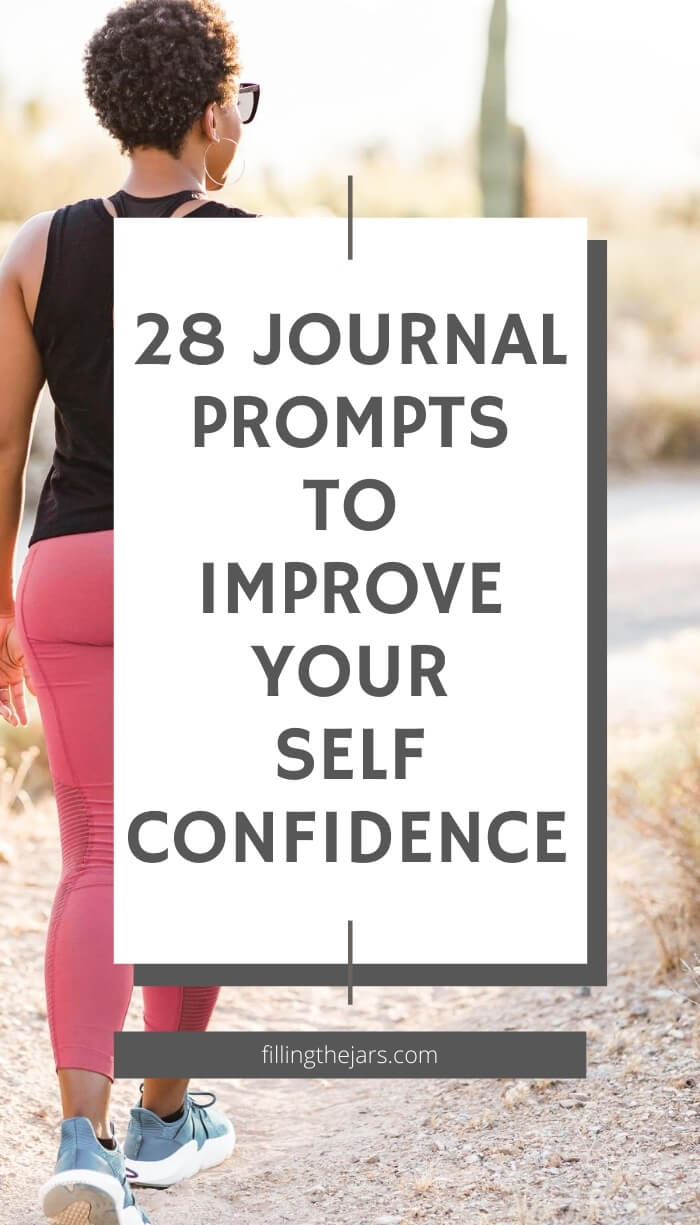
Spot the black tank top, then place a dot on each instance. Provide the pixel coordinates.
(74, 333)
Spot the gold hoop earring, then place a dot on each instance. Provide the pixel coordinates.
(206, 170)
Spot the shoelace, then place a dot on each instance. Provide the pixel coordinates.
(192, 1093)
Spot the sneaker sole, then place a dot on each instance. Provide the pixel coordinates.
(186, 1162)
(84, 1197)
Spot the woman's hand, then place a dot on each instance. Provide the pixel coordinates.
(13, 674)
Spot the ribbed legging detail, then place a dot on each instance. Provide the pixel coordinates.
(65, 623)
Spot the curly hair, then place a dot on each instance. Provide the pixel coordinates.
(155, 65)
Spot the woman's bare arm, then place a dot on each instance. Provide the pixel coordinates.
(21, 379)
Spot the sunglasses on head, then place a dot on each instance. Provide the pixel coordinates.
(248, 99)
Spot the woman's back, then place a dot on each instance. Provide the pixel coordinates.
(73, 329)
(164, 79)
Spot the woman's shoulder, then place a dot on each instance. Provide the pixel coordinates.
(27, 258)
(32, 234)
(23, 261)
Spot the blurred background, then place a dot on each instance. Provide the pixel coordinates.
(518, 108)
(584, 108)
(530, 108)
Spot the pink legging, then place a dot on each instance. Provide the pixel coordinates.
(64, 610)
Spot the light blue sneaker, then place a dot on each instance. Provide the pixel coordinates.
(159, 1154)
(89, 1185)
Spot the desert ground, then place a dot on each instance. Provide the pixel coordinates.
(622, 1146)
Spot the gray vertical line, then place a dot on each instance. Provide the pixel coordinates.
(349, 961)
(350, 216)
(597, 608)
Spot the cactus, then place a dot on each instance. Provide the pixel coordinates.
(501, 144)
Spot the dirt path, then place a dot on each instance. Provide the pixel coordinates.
(621, 1147)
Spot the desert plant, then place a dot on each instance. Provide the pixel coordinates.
(501, 144)
(661, 801)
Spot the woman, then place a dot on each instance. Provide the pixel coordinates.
(163, 78)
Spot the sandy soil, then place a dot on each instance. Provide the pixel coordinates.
(622, 1146)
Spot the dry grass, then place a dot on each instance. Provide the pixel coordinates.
(424, 1182)
(515, 1095)
(13, 794)
(23, 755)
(660, 799)
(14, 798)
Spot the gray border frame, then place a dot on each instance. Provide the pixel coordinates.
(594, 971)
